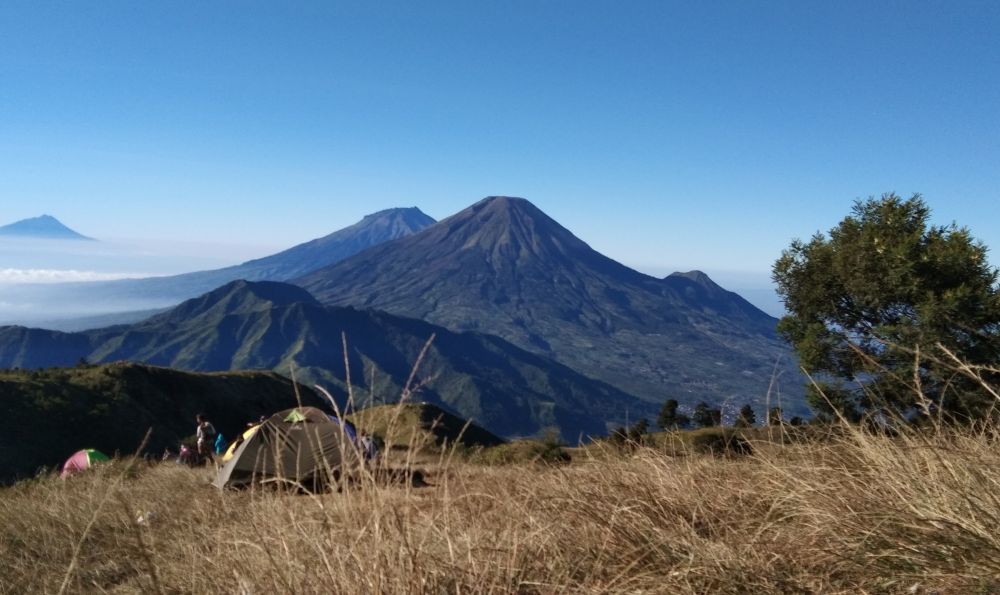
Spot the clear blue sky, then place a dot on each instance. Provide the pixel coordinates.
(666, 134)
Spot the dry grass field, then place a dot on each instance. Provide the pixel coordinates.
(856, 513)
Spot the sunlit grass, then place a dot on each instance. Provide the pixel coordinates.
(852, 512)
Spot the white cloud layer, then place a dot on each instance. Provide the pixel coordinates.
(60, 276)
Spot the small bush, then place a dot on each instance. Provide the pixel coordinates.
(520, 452)
(720, 442)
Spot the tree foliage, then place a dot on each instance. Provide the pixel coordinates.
(638, 431)
(876, 307)
(746, 418)
(705, 416)
(670, 418)
(630, 437)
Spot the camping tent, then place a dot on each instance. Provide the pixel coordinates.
(238, 442)
(352, 436)
(301, 446)
(81, 460)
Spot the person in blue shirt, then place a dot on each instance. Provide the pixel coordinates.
(220, 444)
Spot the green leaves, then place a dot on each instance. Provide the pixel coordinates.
(872, 304)
(670, 418)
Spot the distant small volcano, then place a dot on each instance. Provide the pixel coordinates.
(45, 227)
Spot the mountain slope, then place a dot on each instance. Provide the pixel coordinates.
(268, 325)
(154, 293)
(503, 267)
(43, 227)
(38, 348)
(374, 229)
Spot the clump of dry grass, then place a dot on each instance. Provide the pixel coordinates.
(855, 512)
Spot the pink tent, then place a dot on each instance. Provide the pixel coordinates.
(81, 460)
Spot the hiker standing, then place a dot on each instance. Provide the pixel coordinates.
(206, 437)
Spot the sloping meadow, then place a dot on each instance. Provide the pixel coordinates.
(856, 512)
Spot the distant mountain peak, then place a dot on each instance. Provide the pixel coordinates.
(41, 227)
(505, 201)
(238, 297)
(506, 205)
(698, 277)
(272, 292)
(397, 212)
(508, 227)
(376, 228)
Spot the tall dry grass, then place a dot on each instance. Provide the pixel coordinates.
(852, 512)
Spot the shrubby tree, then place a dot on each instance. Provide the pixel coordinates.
(638, 430)
(746, 417)
(629, 437)
(774, 416)
(670, 418)
(705, 416)
(877, 308)
(618, 436)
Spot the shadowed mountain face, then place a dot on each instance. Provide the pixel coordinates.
(504, 267)
(155, 293)
(39, 348)
(266, 325)
(44, 227)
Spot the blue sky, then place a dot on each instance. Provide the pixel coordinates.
(668, 135)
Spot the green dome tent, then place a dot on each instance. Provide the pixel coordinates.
(302, 447)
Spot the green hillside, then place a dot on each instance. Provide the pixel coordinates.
(277, 326)
(47, 415)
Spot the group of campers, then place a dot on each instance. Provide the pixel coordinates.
(209, 443)
(302, 445)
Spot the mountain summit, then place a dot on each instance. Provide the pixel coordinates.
(44, 227)
(373, 229)
(504, 267)
(507, 231)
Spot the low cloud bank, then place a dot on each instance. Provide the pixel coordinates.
(10, 275)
